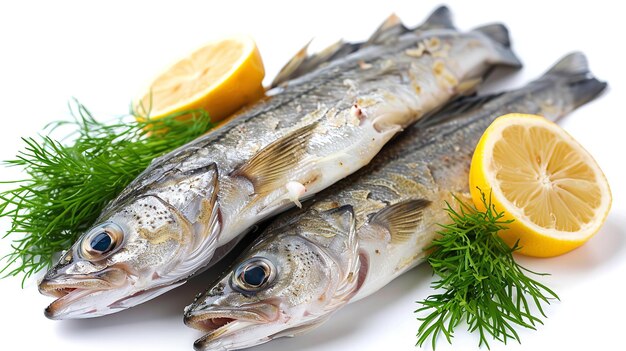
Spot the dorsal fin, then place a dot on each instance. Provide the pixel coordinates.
(388, 31)
(302, 63)
(496, 32)
(290, 69)
(267, 169)
(499, 35)
(401, 219)
(572, 64)
(441, 18)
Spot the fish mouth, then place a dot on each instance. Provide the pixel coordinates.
(57, 292)
(213, 324)
(65, 295)
(69, 291)
(219, 324)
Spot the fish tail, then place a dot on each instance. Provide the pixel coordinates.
(574, 70)
(499, 35)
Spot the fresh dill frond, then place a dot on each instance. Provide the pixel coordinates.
(70, 181)
(481, 282)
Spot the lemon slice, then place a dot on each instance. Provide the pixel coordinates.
(220, 77)
(544, 180)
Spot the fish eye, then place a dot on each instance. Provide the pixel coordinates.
(253, 275)
(101, 241)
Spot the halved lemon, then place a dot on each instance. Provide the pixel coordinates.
(220, 77)
(543, 179)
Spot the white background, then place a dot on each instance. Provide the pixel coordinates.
(104, 53)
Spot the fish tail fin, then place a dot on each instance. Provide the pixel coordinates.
(574, 69)
(499, 35)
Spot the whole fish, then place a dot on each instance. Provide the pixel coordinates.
(366, 230)
(192, 205)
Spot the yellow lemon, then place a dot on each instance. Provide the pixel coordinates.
(544, 180)
(220, 77)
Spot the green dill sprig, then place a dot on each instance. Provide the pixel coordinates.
(70, 181)
(481, 282)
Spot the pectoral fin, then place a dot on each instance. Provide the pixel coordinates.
(267, 169)
(401, 219)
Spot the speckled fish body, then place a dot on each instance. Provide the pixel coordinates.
(364, 231)
(192, 205)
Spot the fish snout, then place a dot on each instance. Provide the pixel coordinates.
(205, 300)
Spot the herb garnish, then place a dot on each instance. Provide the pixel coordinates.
(482, 283)
(69, 183)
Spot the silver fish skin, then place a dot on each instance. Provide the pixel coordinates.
(366, 230)
(191, 206)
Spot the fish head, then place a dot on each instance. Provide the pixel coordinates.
(140, 249)
(290, 281)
